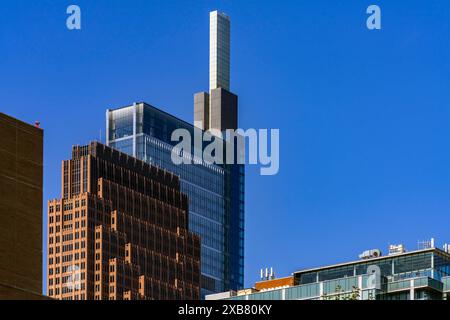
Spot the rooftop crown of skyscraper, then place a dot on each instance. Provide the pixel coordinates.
(217, 109)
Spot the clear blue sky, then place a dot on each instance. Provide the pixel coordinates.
(363, 115)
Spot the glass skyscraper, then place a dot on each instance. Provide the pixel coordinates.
(215, 192)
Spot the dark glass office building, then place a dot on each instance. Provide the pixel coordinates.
(215, 192)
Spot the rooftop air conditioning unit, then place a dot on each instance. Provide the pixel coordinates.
(396, 249)
(370, 254)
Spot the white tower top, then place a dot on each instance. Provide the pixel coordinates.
(219, 51)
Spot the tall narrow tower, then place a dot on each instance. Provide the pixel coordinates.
(219, 51)
(218, 108)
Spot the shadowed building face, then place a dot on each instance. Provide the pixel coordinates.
(21, 157)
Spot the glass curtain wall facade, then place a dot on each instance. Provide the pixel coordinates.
(215, 192)
(419, 275)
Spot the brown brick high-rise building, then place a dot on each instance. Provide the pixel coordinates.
(120, 231)
(21, 155)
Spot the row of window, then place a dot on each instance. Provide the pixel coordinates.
(57, 270)
(67, 217)
(67, 206)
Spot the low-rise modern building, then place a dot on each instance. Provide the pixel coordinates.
(423, 274)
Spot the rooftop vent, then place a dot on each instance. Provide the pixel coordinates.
(396, 249)
(370, 254)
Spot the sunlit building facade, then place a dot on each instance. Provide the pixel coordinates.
(215, 192)
(120, 231)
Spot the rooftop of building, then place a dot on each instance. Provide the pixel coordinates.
(270, 282)
(98, 149)
(360, 261)
(147, 105)
(23, 125)
(274, 283)
(222, 14)
(184, 124)
(423, 270)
